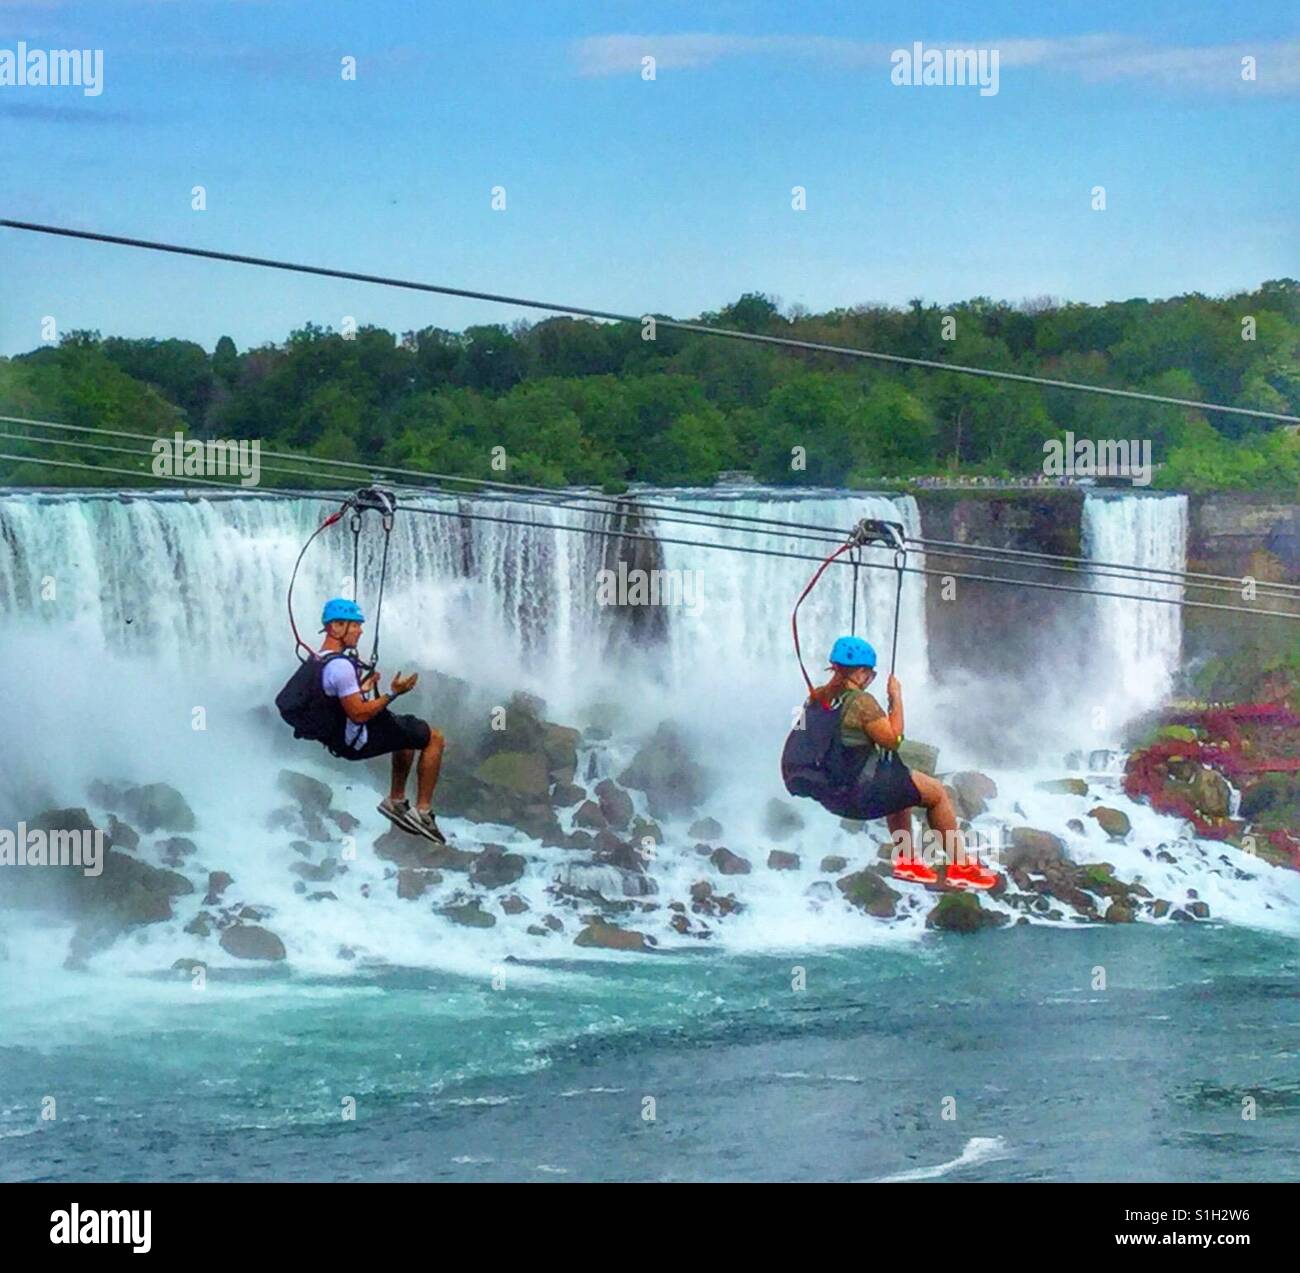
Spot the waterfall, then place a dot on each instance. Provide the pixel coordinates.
(1138, 645)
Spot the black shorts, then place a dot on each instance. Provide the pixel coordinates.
(889, 789)
(386, 733)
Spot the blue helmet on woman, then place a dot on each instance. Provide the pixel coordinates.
(341, 610)
(851, 651)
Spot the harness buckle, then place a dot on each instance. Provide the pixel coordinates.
(872, 530)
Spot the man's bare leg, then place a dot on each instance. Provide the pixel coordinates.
(402, 762)
(426, 776)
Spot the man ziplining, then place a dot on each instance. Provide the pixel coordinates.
(327, 700)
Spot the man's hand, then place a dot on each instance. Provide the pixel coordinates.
(401, 684)
(370, 682)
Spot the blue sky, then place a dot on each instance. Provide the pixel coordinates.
(670, 196)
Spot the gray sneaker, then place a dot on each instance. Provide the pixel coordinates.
(400, 814)
(427, 826)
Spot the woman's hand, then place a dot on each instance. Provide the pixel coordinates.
(893, 689)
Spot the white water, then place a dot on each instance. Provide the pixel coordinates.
(125, 616)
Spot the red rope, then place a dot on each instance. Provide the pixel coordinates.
(299, 643)
(794, 619)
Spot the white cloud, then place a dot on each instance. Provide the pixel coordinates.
(1093, 58)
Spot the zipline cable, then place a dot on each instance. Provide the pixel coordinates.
(463, 515)
(987, 553)
(308, 476)
(787, 342)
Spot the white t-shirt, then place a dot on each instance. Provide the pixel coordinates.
(339, 680)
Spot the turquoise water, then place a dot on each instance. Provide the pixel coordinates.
(548, 1077)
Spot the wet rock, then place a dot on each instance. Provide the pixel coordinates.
(1160, 907)
(1114, 822)
(779, 860)
(495, 868)
(554, 923)
(414, 881)
(1032, 850)
(920, 756)
(705, 829)
(729, 863)
(1163, 855)
(513, 904)
(157, 807)
(122, 835)
(174, 850)
(1211, 795)
(516, 773)
(780, 820)
(680, 924)
(343, 820)
(1076, 826)
(1063, 787)
(579, 840)
(536, 930)
(972, 791)
(323, 895)
(469, 915)
(645, 832)
(868, 892)
(320, 873)
(589, 815)
(1199, 909)
(611, 937)
(560, 746)
(615, 804)
(249, 941)
(962, 913)
(302, 848)
(218, 882)
(200, 925)
(672, 782)
(311, 795)
(832, 864)
(188, 967)
(567, 794)
(403, 849)
(853, 826)
(1118, 913)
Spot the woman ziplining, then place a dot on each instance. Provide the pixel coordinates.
(843, 751)
(333, 696)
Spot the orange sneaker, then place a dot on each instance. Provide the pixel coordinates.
(915, 870)
(971, 875)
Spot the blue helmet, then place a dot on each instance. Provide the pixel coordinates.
(341, 610)
(851, 651)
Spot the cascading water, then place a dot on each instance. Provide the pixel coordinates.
(1140, 643)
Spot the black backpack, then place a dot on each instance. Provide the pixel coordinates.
(306, 707)
(814, 761)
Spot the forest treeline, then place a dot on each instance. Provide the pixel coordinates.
(571, 401)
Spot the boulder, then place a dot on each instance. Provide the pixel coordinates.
(249, 941)
(122, 835)
(672, 782)
(920, 756)
(962, 913)
(1063, 787)
(1032, 850)
(832, 864)
(705, 829)
(469, 915)
(1114, 822)
(414, 881)
(1118, 913)
(495, 868)
(644, 831)
(868, 892)
(343, 820)
(781, 820)
(218, 882)
(973, 791)
(310, 793)
(729, 863)
(403, 849)
(157, 807)
(513, 904)
(590, 817)
(175, 849)
(611, 937)
(779, 860)
(316, 873)
(518, 773)
(567, 794)
(560, 746)
(1211, 795)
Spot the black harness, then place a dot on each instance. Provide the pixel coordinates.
(311, 712)
(816, 762)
